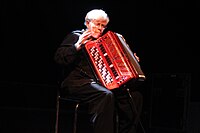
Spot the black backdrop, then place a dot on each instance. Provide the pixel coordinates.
(31, 30)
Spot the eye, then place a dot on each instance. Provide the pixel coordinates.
(97, 24)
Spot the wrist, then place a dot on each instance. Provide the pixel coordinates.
(77, 45)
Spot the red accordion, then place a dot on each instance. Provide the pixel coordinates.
(112, 60)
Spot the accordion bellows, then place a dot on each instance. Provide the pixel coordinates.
(113, 61)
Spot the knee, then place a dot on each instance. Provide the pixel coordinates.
(109, 94)
(103, 93)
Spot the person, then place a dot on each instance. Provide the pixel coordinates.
(79, 82)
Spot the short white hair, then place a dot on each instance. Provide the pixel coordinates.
(96, 14)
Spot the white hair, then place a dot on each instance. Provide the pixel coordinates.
(96, 14)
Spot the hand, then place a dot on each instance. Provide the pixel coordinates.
(138, 59)
(83, 39)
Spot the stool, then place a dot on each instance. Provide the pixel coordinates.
(76, 102)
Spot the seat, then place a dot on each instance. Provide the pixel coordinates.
(67, 100)
(76, 107)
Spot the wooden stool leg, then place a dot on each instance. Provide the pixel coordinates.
(57, 113)
(75, 117)
(116, 122)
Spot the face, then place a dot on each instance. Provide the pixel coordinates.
(96, 26)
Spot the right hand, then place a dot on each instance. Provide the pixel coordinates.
(83, 39)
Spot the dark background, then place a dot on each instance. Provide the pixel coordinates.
(31, 30)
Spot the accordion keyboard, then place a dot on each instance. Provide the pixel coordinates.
(110, 61)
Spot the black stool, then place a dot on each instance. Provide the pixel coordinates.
(76, 102)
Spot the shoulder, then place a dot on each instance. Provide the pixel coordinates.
(73, 35)
(78, 32)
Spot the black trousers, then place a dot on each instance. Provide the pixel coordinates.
(128, 103)
(102, 106)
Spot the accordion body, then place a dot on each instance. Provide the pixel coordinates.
(113, 61)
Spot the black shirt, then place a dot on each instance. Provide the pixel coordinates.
(76, 70)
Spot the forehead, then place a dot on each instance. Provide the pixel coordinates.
(100, 20)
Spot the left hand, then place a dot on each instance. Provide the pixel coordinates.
(138, 59)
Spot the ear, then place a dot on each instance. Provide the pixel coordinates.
(87, 22)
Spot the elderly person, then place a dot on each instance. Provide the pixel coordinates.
(78, 81)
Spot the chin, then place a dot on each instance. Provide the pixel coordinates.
(96, 35)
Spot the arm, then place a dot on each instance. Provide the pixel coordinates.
(67, 52)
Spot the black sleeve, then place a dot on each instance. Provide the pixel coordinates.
(66, 52)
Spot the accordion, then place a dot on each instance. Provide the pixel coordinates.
(113, 61)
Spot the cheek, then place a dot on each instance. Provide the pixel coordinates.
(96, 35)
(89, 26)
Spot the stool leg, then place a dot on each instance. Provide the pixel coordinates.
(75, 117)
(57, 114)
(135, 109)
(116, 122)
